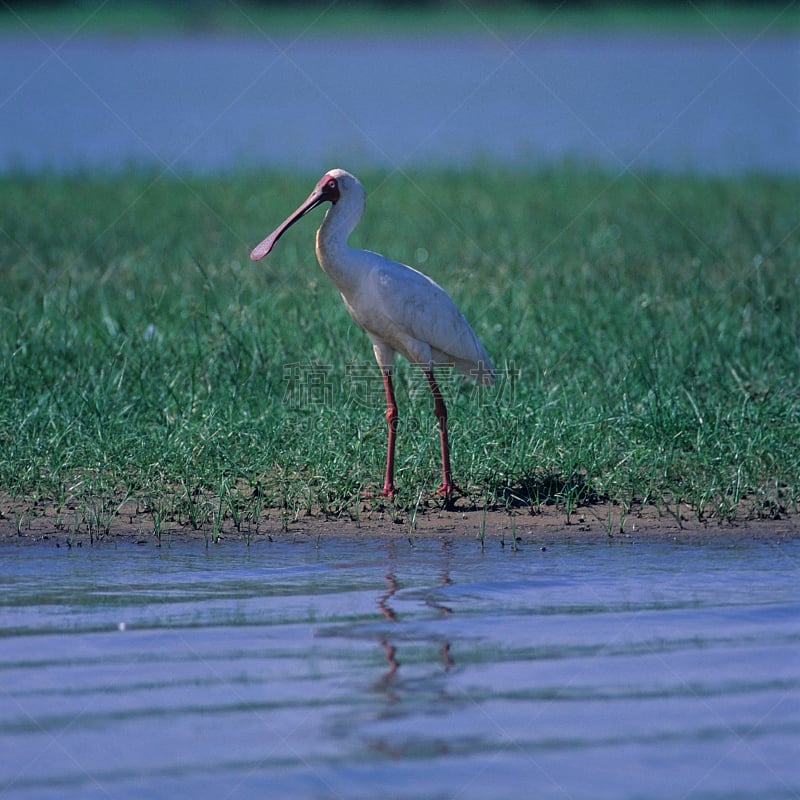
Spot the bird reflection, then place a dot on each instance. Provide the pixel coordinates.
(394, 664)
(389, 648)
(447, 659)
(383, 600)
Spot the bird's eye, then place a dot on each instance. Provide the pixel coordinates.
(332, 183)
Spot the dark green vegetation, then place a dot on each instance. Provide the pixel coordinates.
(415, 18)
(646, 332)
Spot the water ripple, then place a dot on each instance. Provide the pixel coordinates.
(360, 668)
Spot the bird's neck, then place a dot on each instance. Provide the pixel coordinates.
(333, 252)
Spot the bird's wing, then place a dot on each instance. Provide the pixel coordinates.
(409, 308)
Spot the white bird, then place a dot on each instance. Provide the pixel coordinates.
(401, 310)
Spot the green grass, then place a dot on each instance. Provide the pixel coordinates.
(646, 332)
(345, 16)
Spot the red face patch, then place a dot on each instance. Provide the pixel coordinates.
(329, 187)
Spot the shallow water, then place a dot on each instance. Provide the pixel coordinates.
(710, 103)
(373, 668)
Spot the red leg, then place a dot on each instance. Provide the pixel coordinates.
(440, 410)
(392, 417)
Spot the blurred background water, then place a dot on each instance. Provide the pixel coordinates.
(714, 103)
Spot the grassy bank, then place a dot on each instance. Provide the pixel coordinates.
(646, 332)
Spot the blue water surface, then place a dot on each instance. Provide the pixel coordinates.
(353, 668)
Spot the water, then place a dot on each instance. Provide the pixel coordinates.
(367, 668)
(712, 103)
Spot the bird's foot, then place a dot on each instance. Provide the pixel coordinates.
(389, 492)
(448, 492)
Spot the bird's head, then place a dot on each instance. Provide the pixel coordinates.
(334, 186)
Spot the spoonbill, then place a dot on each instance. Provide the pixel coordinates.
(400, 309)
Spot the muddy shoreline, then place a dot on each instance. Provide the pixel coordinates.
(47, 527)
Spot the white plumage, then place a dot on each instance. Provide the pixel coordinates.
(401, 310)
